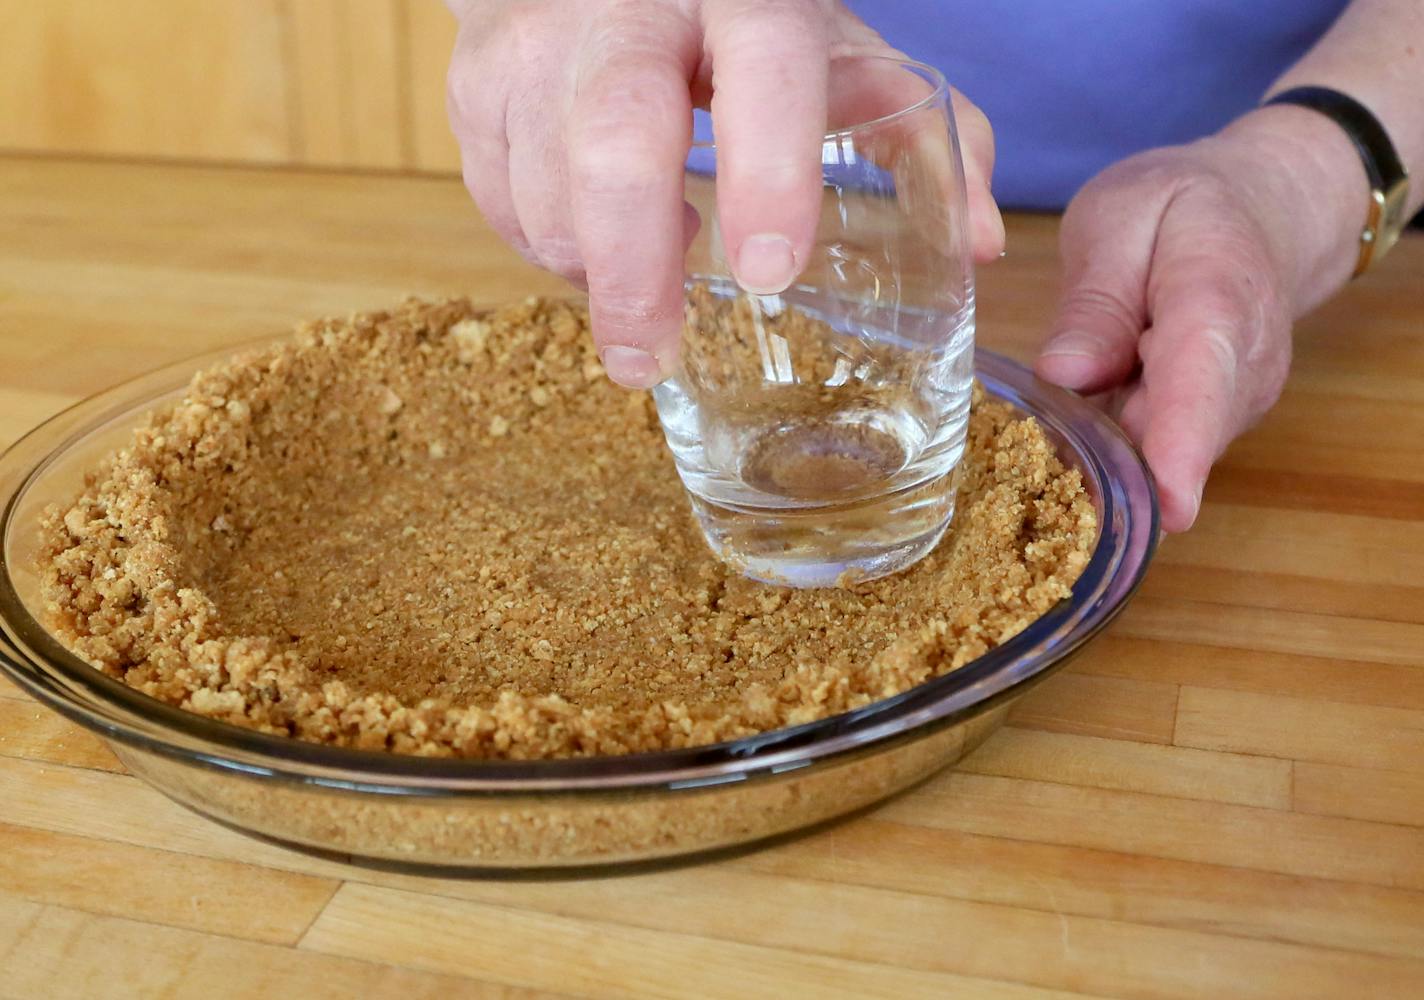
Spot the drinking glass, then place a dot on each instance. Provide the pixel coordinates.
(818, 431)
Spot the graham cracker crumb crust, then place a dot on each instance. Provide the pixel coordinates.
(443, 532)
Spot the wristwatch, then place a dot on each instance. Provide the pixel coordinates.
(1389, 181)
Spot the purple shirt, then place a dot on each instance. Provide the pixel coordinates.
(1072, 86)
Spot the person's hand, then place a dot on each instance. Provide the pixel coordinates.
(574, 121)
(1183, 271)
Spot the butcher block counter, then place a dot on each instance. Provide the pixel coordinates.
(1222, 797)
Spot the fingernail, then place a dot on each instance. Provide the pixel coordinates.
(631, 367)
(1196, 503)
(766, 264)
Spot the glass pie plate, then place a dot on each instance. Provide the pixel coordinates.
(448, 814)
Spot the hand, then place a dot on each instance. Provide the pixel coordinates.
(574, 122)
(1184, 269)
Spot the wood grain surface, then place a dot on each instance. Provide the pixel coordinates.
(350, 83)
(1223, 797)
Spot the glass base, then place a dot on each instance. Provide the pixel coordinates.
(829, 545)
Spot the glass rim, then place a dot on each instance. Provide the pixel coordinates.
(940, 92)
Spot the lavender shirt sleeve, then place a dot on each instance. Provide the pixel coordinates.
(1072, 86)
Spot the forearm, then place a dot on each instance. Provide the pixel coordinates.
(1374, 53)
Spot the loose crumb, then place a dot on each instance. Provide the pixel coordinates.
(438, 532)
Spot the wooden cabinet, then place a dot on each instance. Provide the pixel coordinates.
(331, 83)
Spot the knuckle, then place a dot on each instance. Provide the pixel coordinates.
(614, 161)
(627, 132)
(474, 92)
(1097, 302)
(1221, 343)
(526, 27)
(558, 254)
(759, 21)
(1222, 306)
(1149, 180)
(639, 85)
(475, 83)
(771, 171)
(617, 306)
(772, 39)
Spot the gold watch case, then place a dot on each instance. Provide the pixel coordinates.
(1385, 222)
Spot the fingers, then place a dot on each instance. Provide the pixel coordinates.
(594, 192)
(627, 136)
(920, 147)
(486, 177)
(1107, 247)
(976, 142)
(477, 120)
(1131, 409)
(769, 66)
(1187, 411)
(1213, 354)
(539, 190)
(852, 37)
(1164, 245)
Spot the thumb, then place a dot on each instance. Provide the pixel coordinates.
(976, 138)
(1106, 245)
(1217, 352)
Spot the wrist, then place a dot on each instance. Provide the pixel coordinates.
(1308, 178)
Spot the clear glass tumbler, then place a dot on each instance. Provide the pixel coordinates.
(818, 431)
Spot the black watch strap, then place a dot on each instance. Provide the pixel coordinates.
(1389, 181)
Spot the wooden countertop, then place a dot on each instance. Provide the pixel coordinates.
(1224, 797)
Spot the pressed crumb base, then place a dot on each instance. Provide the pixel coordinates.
(441, 532)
